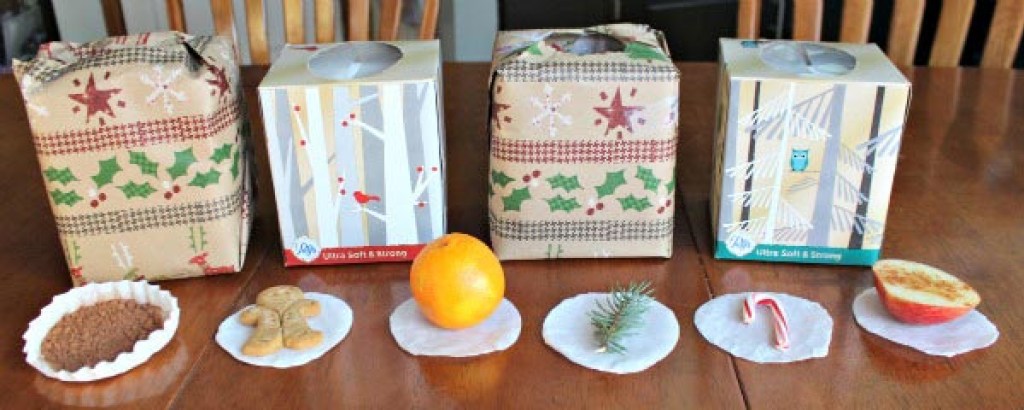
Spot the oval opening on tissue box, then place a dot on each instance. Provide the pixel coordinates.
(585, 44)
(807, 59)
(353, 60)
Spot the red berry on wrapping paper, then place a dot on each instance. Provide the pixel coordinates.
(297, 108)
(352, 116)
(419, 169)
(302, 143)
(343, 192)
(176, 189)
(590, 211)
(668, 202)
(604, 96)
(168, 195)
(341, 179)
(94, 203)
(600, 206)
(421, 204)
(433, 169)
(344, 123)
(661, 210)
(633, 92)
(526, 178)
(536, 173)
(597, 121)
(102, 196)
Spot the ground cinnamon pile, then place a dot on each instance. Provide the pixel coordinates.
(99, 332)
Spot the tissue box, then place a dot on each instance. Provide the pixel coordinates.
(143, 151)
(806, 145)
(356, 150)
(583, 143)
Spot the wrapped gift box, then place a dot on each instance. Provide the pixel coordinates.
(356, 150)
(583, 143)
(143, 152)
(807, 140)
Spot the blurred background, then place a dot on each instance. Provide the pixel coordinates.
(466, 28)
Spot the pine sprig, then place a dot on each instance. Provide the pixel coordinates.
(620, 315)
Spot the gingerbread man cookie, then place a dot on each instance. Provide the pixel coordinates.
(280, 319)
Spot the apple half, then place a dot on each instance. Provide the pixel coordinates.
(920, 294)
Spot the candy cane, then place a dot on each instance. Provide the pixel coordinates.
(779, 322)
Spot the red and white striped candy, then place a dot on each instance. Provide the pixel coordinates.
(779, 322)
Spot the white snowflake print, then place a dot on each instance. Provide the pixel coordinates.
(549, 111)
(162, 87)
(38, 110)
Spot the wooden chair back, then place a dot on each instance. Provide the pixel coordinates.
(357, 21)
(1004, 33)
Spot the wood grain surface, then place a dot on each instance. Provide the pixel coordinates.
(957, 205)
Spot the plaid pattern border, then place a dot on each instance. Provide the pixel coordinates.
(586, 71)
(129, 220)
(138, 134)
(577, 152)
(43, 70)
(583, 231)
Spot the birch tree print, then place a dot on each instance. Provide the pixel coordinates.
(783, 121)
(357, 164)
(851, 214)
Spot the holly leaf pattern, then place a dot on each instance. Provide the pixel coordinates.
(221, 154)
(108, 168)
(670, 186)
(534, 49)
(204, 179)
(650, 181)
(182, 160)
(62, 176)
(68, 198)
(641, 51)
(558, 203)
(514, 201)
(146, 166)
(612, 181)
(568, 184)
(632, 202)
(500, 178)
(133, 190)
(234, 164)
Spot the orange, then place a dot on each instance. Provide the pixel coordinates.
(457, 281)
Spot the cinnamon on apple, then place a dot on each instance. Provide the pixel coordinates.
(920, 294)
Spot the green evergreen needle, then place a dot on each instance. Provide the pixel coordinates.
(620, 315)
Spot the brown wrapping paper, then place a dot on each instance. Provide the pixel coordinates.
(140, 141)
(583, 143)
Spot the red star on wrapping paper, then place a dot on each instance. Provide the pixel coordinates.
(95, 100)
(219, 80)
(496, 114)
(617, 114)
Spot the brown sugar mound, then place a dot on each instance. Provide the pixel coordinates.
(99, 332)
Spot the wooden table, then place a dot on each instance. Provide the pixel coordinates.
(958, 200)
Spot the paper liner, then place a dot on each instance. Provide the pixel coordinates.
(416, 335)
(720, 321)
(567, 329)
(970, 332)
(92, 294)
(334, 320)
